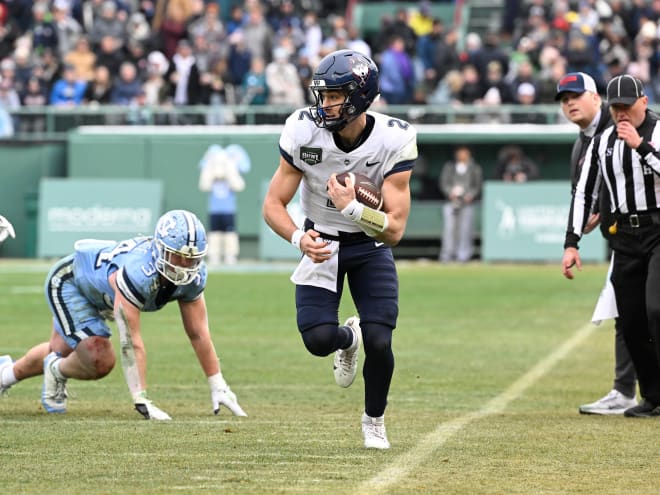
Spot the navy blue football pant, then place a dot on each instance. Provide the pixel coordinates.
(369, 268)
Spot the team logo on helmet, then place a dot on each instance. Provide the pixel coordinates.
(166, 223)
(360, 69)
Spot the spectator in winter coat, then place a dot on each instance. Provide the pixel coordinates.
(397, 76)
(280, 78)
(183, 76)
(68, 91)
(127, 86)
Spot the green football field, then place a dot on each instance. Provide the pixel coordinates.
(492, 362)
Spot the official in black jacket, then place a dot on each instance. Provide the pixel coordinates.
(625, 157)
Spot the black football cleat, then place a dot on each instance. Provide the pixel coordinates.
(645, 409)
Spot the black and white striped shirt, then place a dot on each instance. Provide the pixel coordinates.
(631, 176)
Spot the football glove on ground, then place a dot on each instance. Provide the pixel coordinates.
(221, 395)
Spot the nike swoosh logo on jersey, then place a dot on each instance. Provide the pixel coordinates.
(378, 244)
(371, 164)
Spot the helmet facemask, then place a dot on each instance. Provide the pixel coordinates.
(347, 111)
(176, 266)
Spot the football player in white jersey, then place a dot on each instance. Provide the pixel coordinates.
(106, 280)
(342, 238)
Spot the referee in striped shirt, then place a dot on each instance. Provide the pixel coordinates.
(625, 158)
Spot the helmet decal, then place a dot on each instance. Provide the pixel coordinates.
(190, 248)
(165, 224)
(360, 70)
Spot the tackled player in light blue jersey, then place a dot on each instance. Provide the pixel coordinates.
(107, 280)
(342, 238)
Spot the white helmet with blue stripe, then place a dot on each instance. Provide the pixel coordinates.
(180, 246)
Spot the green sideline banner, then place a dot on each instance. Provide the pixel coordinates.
(527, 222)
(116, 209)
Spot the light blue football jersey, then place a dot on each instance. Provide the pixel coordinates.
(137, 278)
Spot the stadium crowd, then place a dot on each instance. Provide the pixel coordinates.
(205, 52)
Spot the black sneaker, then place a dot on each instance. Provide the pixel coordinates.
(644, 410)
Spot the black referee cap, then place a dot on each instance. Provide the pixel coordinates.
(624, 89)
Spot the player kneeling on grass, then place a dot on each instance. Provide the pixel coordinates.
(106, 280)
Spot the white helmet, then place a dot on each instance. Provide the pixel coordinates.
(180, 246)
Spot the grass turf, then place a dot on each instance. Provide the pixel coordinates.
(465, 334)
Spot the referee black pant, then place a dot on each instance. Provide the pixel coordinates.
(636, 281)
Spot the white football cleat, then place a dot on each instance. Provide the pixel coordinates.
(145, 407)
(5, 361)
(373, 429)
(613, 403)
(346, 360)
(53, 392)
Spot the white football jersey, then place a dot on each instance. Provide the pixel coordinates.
(390, 147)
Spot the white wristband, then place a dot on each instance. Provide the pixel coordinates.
(353, 210)
(217, 381)
(295, 238)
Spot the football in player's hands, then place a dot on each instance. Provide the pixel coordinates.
(366, 191)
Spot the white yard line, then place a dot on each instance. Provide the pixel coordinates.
(406, 463)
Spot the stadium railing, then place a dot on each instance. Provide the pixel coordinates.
(55, 122)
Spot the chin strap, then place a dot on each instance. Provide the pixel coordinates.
(371, 221)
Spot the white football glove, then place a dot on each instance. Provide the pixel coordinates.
(6, 229)
(221, 395)
(145, 407)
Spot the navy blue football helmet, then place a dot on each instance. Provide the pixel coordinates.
(351, 72)
(180, 246)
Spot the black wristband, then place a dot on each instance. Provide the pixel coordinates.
(571, 240)
(645, 148)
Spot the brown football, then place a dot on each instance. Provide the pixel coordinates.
(366, 191)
